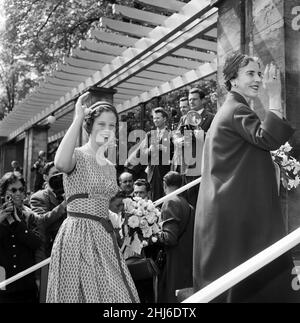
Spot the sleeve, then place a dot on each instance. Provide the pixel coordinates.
(28, 234)
(171, 224)
(268, 135)
(40, 207)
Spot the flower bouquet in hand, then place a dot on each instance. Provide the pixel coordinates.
(140, 227)
(288, 166)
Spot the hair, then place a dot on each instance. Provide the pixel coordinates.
(96, 110)
(197, 90)
(119, 195)
(162, 111)
(232, 65)
(142, 182)
(42, 153)
(47, 167)
(119, 178)
(13, 163)
(183, 98)
(173, 178)
(10, 178)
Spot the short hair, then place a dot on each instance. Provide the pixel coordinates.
(173, 178)
(14, 162)
(42, 153)
(197, 90)
(95, 110)
(162, 111)
(10, 178)
(143, 182)
(47, 167)
(119, 179)
(119, 195)
(232, 65)
(183, 98)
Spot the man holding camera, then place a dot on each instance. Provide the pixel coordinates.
(50, 206)
(197, 121)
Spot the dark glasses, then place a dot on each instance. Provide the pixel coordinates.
(20, 189)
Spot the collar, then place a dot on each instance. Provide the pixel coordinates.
(238, 97)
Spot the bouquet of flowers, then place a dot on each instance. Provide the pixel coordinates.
(140, 227)
(289, 166)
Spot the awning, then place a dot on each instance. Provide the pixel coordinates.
(139, 62)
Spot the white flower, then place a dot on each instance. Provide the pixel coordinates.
(115, 219)
(129, 205)
(133, 221)
(151, 218)
(296, 168)
(296, 181)
(144, 224)
(139, 212)
(154, 239)
(155, 228)
(286, 147)
(147, 232)
(144, 243)
(151, 207)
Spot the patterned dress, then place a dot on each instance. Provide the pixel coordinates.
(86, 266)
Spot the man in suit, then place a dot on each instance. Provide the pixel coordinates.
(126, 183)
(38, 167)
(158, 146)
(194, 142)
(176, 238)
(141, 188)
(50, 206)
(178, 164)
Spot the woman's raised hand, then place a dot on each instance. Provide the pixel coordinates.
(80, 108)
(272, 81)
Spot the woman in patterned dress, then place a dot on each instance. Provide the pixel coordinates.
(86, 263)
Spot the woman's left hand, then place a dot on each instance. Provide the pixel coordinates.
(272, 80)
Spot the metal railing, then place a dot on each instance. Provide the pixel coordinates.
(246, 269)
(47, 261)
(221, 284)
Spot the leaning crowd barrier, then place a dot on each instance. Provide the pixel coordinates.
(47, 261)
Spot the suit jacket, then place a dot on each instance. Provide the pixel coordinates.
(19, 242)
(177, 239)
(191, 169)
(51, 214)
(238, 211)
(159, 161)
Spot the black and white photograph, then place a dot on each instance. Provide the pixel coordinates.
(149, 154)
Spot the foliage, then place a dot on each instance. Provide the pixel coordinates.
(38, 34)
(288, 165)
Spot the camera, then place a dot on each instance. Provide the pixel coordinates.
(56, 183)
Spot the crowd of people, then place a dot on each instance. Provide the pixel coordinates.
(205, 232)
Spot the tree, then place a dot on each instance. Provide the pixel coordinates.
(38, 34)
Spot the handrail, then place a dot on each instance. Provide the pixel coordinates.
(25, 272)
(47, 261)
(178, 191)
(244, 270)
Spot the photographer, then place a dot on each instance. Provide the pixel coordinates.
(50, 206)
(19, 240)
